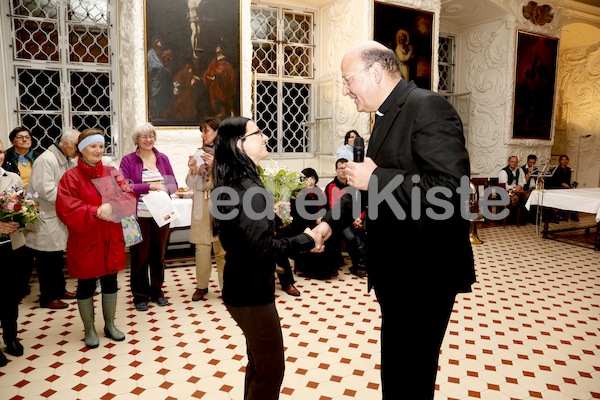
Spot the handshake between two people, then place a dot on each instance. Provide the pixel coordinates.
(319, 233)
(358, 175)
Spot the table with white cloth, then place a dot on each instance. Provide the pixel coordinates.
(180, 228)
(585, 200)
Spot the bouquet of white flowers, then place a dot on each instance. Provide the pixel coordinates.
(283, 184)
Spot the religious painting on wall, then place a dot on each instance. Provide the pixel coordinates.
(192, 60)
(409, 33)
(535, 81)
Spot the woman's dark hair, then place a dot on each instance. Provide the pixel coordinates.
(231, 163)
(13, 133)
(212, 122)
(310, 173)
(348, 135)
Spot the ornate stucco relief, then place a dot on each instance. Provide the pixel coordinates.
(579, 86)
(132, 82)
(486, 78)
(344, 24)
(246, 61)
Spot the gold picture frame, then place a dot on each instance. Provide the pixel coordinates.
(535, 86)
(192, 60)
(392, 24)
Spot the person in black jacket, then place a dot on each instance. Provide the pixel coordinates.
(561, 179)
(244, 220)
(419, 255)
(561, 175)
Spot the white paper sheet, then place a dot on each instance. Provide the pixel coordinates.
(161, 207)
(17, 239)
(198, 156)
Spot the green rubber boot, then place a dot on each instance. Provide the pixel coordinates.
(86, 310)
(109, 305)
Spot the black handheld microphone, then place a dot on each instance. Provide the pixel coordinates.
(358, 154)
(359, 149)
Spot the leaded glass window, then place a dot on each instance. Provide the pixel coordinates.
(283, 70)
(62, 61)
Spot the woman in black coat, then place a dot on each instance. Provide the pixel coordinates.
(244, 218)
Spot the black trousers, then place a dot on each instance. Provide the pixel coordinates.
(11, 289)
(413, 325)
(87, 287)
(264, 346)
(148, 261)
(28, 262)
(355, 242)
(49, 266)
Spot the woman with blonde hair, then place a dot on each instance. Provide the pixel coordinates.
(148, 170)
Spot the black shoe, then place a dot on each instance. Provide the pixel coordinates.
(291, 290)
(3, 360)
(14, 348)
(360, 272)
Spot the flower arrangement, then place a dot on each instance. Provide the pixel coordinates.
(19, 206)
(283, 184)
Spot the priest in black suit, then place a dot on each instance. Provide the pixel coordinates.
(418, 249)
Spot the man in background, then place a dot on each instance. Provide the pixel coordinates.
(48, 238)
(530, 171)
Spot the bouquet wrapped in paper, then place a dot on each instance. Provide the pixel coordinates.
(283, 184)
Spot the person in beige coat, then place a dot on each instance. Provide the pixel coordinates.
(48, 238)
(200, 178)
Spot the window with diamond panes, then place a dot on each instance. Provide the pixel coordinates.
(70, 81)
(282, 63)
(446, 65)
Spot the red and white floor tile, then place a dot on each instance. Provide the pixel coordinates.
(529, 330)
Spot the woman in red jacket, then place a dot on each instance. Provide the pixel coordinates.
(91, 201)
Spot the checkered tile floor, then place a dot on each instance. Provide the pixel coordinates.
(529, 330)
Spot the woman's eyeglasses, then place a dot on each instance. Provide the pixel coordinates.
(22, 137)
(258, 132)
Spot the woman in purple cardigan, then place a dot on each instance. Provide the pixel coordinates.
(149, 170)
